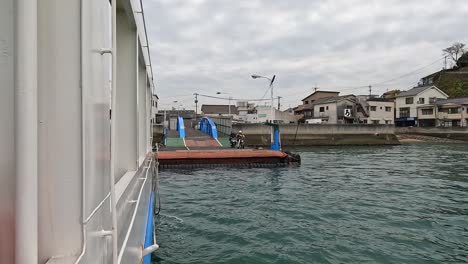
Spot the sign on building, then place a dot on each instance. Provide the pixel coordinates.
(347, 112)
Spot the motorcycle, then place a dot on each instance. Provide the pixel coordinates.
(233, 142)
(240, 143)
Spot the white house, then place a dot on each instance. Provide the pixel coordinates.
(263, 114)
(154, 108)
(380, 111)
(331, 110)
(407, 103)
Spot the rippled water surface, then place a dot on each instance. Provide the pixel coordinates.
(400, 204)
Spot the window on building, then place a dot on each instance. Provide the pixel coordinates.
(380, 108)
(365, 121)
(427, 111)
(453, 110)
(432, 100)
(373, 108)
(405, 112)
(388, 109)
(421, 100)
(306, 102)
(322, 109)
(327, 107)
(375, 122)
(409, 100)
(447, 124)
(387, 122)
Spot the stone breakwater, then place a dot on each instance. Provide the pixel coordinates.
(433, 134)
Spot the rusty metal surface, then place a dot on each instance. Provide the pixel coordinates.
(220, 154)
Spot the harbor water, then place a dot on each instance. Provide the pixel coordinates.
(380, 204)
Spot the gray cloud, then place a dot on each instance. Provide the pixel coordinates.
(207, 46)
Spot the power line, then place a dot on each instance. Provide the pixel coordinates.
(387, 81)
(266, 92)
(235, 99)
(302, 92)
(409, 73)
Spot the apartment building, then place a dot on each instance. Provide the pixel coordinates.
(307, 108)
(379, 111)
(444, 113)
(335, 110)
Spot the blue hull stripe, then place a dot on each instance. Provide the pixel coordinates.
(149, 229)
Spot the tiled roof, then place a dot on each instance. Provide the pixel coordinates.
(218, 109)
(462, 100)
(379, 100)
(414, 91)
(331, 92)
(333, 99)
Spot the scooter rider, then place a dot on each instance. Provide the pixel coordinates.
(240, 137)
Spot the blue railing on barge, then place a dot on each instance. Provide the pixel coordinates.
(207, 126)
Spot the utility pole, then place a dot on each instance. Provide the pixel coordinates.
(370, 90)
(196, 105)
(229, 106)
(279, 103)
(445, 62)
(272, 112)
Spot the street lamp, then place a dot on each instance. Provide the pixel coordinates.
(254, 76)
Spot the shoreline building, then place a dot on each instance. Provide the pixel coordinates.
(220, 111)
(352, 109)
(245, 112)
(262, 115)
(334, 110)
(407, 103)
(307, 108)
(444, 113)
(380, 111)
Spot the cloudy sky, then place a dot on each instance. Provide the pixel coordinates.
(210, 46)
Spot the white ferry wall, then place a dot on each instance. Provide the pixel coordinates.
(7, 133)
(55, 144)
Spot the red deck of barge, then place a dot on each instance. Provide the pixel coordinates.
(220, 157)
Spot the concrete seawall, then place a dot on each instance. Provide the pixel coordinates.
(323, 134)
(320, 134)
(158, 134)
(456, 133)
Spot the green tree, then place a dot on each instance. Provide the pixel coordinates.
(452, 85)
(463, 60)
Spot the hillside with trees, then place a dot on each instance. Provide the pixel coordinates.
(454, 81)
